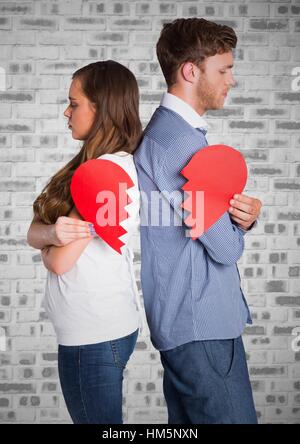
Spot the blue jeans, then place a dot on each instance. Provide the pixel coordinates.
(91, 378)
(207, 382)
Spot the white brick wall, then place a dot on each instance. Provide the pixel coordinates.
(41, 44)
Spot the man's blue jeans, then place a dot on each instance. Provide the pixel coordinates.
(207, 382)
(91, 378)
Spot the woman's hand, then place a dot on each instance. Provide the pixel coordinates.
(67, 229)
(72, 235)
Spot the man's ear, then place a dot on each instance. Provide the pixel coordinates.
(189, 72)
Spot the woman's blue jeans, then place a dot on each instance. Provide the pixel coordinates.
(91, 378)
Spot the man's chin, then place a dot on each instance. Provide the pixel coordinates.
(217, 106)
(221, 104)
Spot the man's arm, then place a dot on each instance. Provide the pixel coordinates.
(223, 241)
(59, 260)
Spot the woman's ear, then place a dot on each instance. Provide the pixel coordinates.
(93, 107)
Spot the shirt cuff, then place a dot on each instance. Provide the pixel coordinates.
(245, 230)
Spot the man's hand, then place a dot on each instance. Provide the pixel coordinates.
(244, 210)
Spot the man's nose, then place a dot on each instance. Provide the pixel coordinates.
(231, 81)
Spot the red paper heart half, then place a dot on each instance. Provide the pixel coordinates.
(99, 191)
(215, 173)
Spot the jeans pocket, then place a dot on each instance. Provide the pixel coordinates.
(122, 349)
(221, 355)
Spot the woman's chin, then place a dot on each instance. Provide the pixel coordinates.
(75, 136)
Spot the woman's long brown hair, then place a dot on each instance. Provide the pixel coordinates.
(113, 89)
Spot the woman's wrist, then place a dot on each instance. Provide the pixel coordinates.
(41, 235)
(51, 236)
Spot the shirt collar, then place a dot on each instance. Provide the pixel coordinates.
(184, 110)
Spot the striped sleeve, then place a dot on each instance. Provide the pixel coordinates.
(223, 241)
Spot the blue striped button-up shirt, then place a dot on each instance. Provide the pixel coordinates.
(191, 288)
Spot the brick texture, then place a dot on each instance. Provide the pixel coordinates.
(41, 44)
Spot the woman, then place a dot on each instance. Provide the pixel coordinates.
(91, 294)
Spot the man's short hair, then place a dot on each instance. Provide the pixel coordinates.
(191, 40)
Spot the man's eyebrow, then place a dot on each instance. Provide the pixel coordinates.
(227, 66)
(72, 98)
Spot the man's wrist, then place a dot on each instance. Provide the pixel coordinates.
(248, 228)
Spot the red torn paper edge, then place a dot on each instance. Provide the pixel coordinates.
(223, 157)
(86, 175)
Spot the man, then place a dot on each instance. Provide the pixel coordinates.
(194, 304)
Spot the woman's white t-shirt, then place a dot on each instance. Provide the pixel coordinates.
(97, 300)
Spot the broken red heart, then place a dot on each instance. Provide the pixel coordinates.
(99, 191)
(215, 173)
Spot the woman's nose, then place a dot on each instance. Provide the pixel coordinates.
(67, 112)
